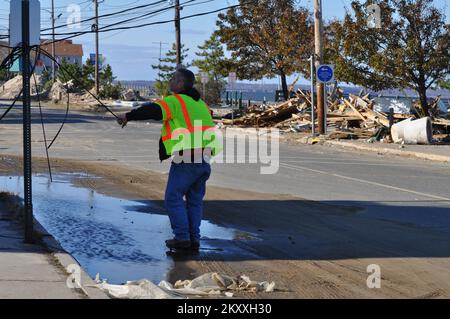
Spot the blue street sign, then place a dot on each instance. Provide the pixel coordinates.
(100, 60)
(325, 73)
(92, 58)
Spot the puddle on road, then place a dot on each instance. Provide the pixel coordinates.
(104, 234)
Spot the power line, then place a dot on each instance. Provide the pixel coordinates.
(77, 34)
(110, 14)
(124, 21)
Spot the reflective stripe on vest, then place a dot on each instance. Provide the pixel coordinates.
(167, 125)
(187, 118)
(181, 131)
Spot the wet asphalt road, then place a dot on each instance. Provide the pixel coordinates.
(385, 187)
(401, 222)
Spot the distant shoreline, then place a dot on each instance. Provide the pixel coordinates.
(258, 91)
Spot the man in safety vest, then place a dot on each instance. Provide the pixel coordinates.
(188, 136)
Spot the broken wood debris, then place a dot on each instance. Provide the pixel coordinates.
(347, 118)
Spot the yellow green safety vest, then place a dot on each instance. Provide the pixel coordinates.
(187, 125)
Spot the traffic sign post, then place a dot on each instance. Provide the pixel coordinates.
(325, 75)
(232, 78)
(205, 80)
(25, 33)
(27, 171)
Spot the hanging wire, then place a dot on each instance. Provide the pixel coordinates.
(42, 118)
(78, 81)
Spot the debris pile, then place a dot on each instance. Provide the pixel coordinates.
(206, 286)
(278, 115)
(130, 95)
(58, 94)
(354, 117)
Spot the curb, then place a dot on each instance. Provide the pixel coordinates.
(388, 151)
(88, 286)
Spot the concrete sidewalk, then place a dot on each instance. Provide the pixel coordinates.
(30, 271)
(437, 153)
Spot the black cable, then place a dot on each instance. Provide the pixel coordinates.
(135, 19)
(10, 58)
(116, 23)
(42, 120)
(141, 16)
(68, 99)
(6, 63)
(21, 91)
(76, 80)
(63, 122)
(111, 14)
(12, 105)
(5, 46)
(77, 34)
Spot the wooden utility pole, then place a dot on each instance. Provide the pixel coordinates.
(97, 55)
(178, 32)
(318, 39)
(53, 43)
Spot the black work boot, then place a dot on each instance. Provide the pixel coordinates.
(178, 244)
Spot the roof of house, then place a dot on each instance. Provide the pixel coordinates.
(63, 48)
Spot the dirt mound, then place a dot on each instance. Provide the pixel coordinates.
(11, 89)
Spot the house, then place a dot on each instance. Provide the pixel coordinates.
(64, 51)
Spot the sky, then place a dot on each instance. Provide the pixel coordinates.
(132, 52)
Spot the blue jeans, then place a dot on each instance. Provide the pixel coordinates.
(186, 180)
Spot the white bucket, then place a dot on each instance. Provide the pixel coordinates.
(413, 131)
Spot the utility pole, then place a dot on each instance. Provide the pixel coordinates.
(178, 32)
(97, 55)
(27, 169)
(313, 113)
(53, 42)
(318, 39)
(160, 54)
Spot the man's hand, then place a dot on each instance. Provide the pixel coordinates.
(122, 120)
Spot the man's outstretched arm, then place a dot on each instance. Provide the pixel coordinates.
(148, 111)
